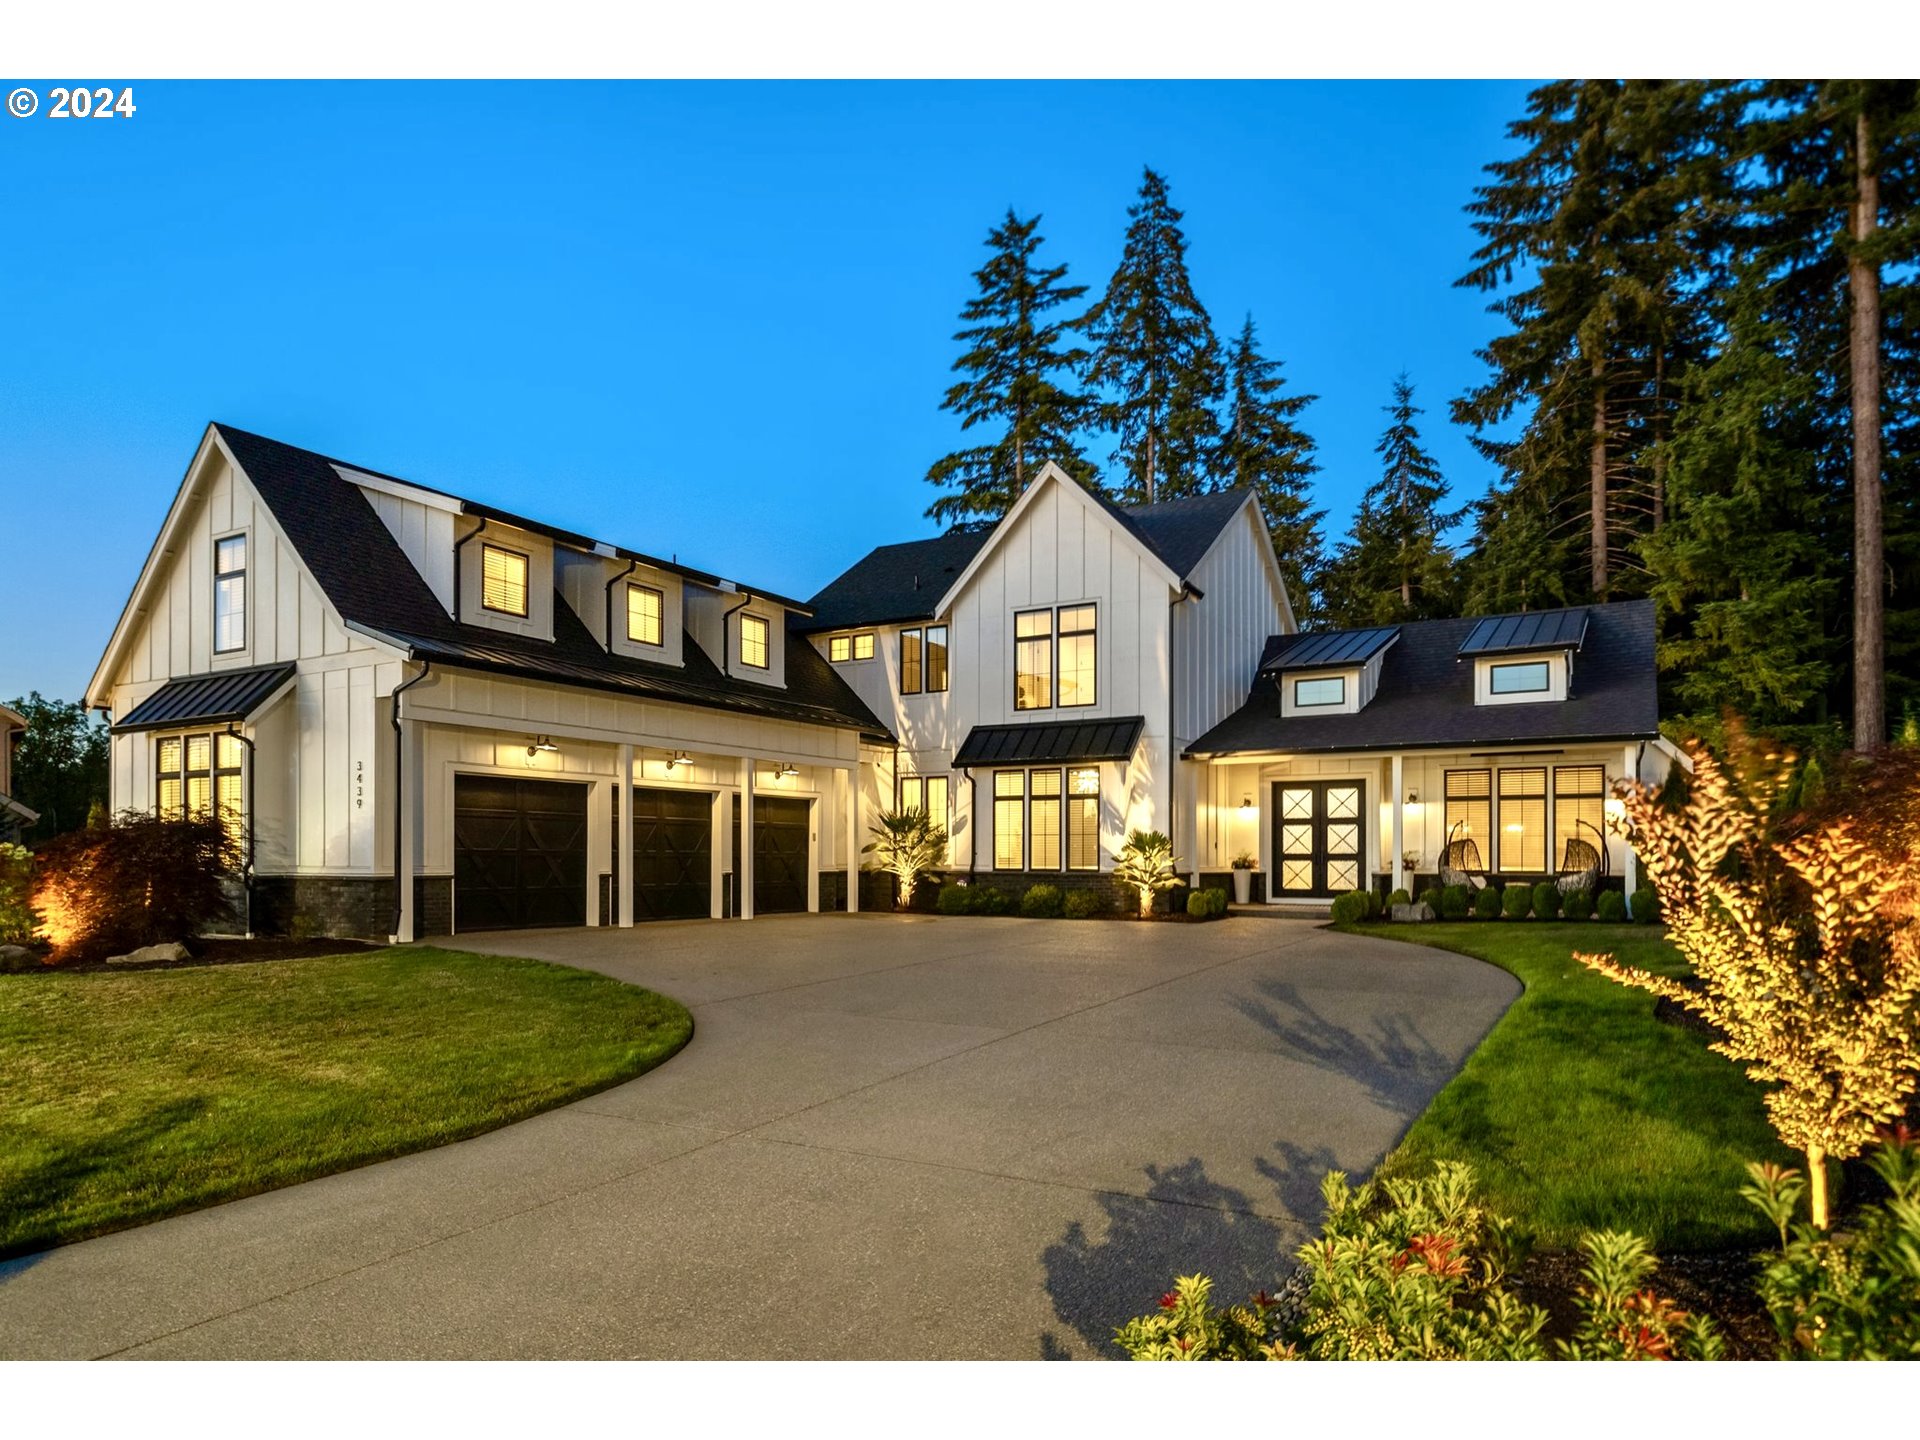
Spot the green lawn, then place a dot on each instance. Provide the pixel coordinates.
(1580, 1110)
(133, 1096)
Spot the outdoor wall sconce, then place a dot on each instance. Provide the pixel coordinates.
(1246, 806)
(680, 757)
(786, 772)
(540, 742)
(1413, 797)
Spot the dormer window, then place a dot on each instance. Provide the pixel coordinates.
(1323, 690)
(753, 641)
(1519, 677)
(503, 580)
(645, 608)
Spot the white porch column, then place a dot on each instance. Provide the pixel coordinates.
(853, 839)
(406, 799)
(743, 861)
(1399, 822)
(623, 797)
(1630, 768)
(717, 850)
(816, 827)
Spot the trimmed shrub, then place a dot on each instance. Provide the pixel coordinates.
(1431, 897)
(1578, 904)
(17, 919)
(1645, 906)
(1455, 902)
(1350, 908)
(991, 900)
(1375, 909)
(1516, 902)
(955, 900)
(1546, 900)
(1084, 904)
(1610, 907)
(1042, 902)
(142, 880)
(1399, 897)
(1486, 904)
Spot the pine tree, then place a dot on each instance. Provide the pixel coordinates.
(1156, 358)
(1018, 369)
(1264, 450)
(1394, 565)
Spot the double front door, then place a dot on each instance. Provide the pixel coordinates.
(1319, 837)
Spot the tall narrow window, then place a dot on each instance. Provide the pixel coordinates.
(910, 664)
(936, 659)
(1077, 655)
(913, 793)
(503, 580)
(1469, 814)
(1009, 815)
(169, 773)
(230, 594)
(1579, 810)
(938, 799)
(1043, 820)
(645, 610)
(1083, 819)
(226, 782)
(753, 641)
(1033, 660)
(199, 775)
(1523, 821)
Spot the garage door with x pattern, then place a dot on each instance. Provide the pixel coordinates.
(781, 839)
(519, 853)
(672, 854)
(1319, 836)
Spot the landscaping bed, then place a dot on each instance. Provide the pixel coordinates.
(138, 1094)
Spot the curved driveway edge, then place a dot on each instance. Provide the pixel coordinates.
(891, 1136)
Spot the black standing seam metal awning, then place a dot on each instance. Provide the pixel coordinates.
(1058, 742)
(1534, 630)
(219, 699)
(1335, 647)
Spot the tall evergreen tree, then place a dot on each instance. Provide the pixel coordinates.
(1394, 565)
(1156, 358)
(1263, 449)
(1018, 370)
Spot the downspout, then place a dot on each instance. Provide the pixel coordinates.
(399, 772)
(246, 872)
(1187, 593)
(632, 565)
(726, 636)
(458, 545)
(973, 825)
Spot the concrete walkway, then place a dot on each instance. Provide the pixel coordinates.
(891, 1136)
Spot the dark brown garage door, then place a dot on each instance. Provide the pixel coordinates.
(780, 840)
(519, 853)
(672, 854)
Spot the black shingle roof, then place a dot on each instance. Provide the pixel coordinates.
(1050, 742)
(217, 699)
(1425, 698)
(1534, 630)
(898, 584)
(369, 580)
(1310, 650)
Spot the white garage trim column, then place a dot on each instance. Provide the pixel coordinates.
(743, 861)
(853, 839)
(623, 798)
(407, 800)
(1399, 822)
(717, 851)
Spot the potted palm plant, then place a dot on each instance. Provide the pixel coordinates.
(1243, 868)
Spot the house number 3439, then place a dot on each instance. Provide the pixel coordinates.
(359, 783)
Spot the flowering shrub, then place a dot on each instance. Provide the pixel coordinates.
(1188, 1327)
(1624, 1318)
(17, 920)
(141, 880)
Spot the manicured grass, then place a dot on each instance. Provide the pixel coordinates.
(133, 1096)
(1580, 1111)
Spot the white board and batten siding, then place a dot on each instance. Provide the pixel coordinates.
(1218, 639)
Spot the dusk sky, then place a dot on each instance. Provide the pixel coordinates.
(705, 320)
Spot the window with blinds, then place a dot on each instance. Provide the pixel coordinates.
(645, 609)
(1523, 821)
(200, 775)
(1083, 819)
(1579, 810)
(936, 659)
(1468, 809)
(753, 641)
(1043, 820)
(911, 669)
(503, 580)
(1009, 816)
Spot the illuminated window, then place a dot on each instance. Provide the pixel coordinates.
(1009, 816)
(1083, 819)
(1043, 820)
(645, 609)
(169, 776)
(910, 665)
(230, 594)
(1326, 690)
(199, 775)
(842, 648)
(1528, 678)
(863, 646)
(936, 659)
(503, 580)
(1033, 660)
(1523, 821)
(753, 641)
(929, 793)
(1579, 808)
(1469, 812)
(1077, 650)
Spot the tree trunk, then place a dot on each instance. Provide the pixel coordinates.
(1659, 437)
(1150, 460)
(1869, 564)
(1817, 1185)
(1597, 480)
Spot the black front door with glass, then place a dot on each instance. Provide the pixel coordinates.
(1319, 837)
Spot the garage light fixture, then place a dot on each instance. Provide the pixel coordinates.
(540, 742)
(1246, 806)
(680, 757)
(786, 771)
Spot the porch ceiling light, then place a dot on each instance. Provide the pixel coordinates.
(540, 742)
(680, 757)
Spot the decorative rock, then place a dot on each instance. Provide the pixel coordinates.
(148, 954)
(1404, 913)
(16, 958)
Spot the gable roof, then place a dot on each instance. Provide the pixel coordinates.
(898, 584)
(369, 580)
(1425, 698)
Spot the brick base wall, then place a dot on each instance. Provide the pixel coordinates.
(349, 907)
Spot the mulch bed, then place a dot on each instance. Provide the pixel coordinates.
(223, 952)
(1717, 1284)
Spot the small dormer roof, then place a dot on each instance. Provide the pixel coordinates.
(1534, 630)
(1325, 649)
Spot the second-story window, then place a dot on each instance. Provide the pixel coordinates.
(842, 648)
(1323, 690)
(1033, 660)
(753, 641)
(645, 607)
(911, 667)
(1077, 647)
(503, 580)
(230, 594)
(936, 659)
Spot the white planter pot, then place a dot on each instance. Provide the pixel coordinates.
(1242, 887)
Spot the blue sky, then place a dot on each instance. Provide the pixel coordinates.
(704, 320)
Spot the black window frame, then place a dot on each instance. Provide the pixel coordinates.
(766, 641)
(659, 618)
(1092, 634)
(929, 649)
(1545, 667)
(1045, 642)
(526, 581)
(1299, 680)
(221, 578)
(919, 661)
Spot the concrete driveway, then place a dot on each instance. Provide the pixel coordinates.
(891, 1136)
